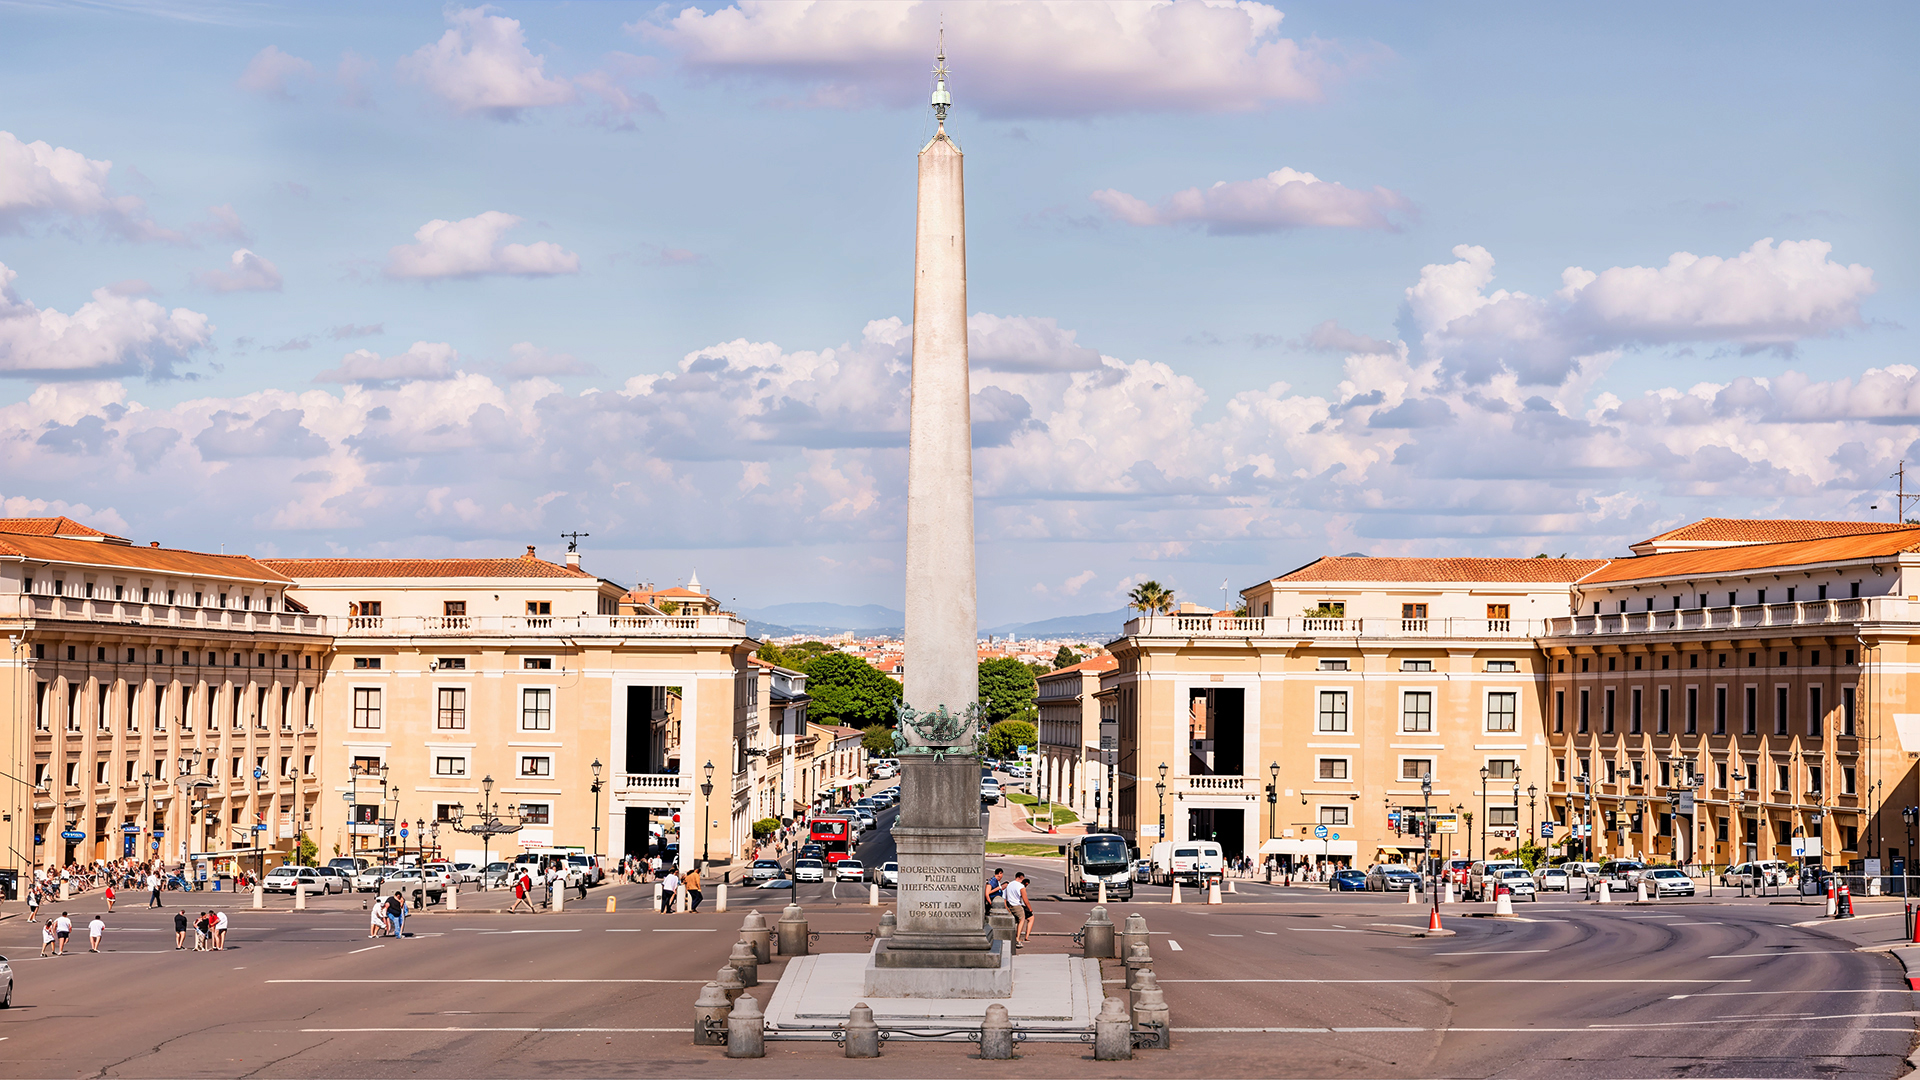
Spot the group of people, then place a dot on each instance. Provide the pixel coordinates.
(1016, 892)
(672, 885)
(388, 916)
(209, 931)
(55, 933)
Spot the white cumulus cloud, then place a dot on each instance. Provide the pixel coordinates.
(472, 247)
(270, 70)
(112, 334)
(41, 182)
(423, 360)
(483, 65)
(247, 272)
(1284, 199)
(1010, 57)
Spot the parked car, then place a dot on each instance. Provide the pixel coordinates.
(1813, 880)
(1621, 873)
(349, 865)
(1756, 874)
(466, 873)
(1516, 880)
(1142, 871)
(989, 791)
(889, 873)
(6, 989)
(849, 870)
(1481, 878)
(763, 870)
(1581, 875)
(1666, 881)
(809, 870)
(369, 880)
(338, 880)
(497, 875)
(1551, 879)
(407, 879)
(1391, 877)
(289, 878)
(1347, 881)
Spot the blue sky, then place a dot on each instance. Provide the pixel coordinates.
(667, 302)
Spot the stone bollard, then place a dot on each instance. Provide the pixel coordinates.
(1643, 891)
(453, 897)
(729, 979)
(754, 931)
(1112, 1032)
(259, 898)
(720, 898)
(612, 907)
(1176, 893)
(1143, 980)
(746, 1029)
(1150, 1012)
(1102, 900)
(888, 924)
(863, 1035)
(659, 895)
(1133, 932)
(793, 931)
(1213, 893)
(1137, 957)
(1231, 890)
(996, 1034)
(299, 896)
(710, 1012)
(66, 890)
(559, 896)
(745, 962)
(1448, 897)
(1606, 894)
(873, 894)
(1096, 937)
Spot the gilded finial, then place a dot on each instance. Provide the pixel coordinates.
(942, 100)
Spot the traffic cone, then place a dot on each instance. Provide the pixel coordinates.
(1915, 920)
(1433, 920)
(1502, 903)
(1413, 896)
(1605, 894)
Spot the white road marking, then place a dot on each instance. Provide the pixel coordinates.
(444, 982)
(369, 948)
(1325, 930)
(574, 931)
(684, 930)
(1758, 993)
(1174, 945)
(1754, 1020)
(1269, 933)
(1226, 935)
(1492, 952)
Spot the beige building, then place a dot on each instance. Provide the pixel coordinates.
(597, 727)
(1355, 679)
(161, 703)
(1071, 770)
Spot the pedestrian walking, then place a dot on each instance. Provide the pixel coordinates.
(521, 886)
(179, 930)
(46, 938)
(202, 927)
(94, 929)
(693, 888)
(219, 931)
(1016, 893)
(108, 897)
(396, 912)
(33, 902)
(153, 889)
(378, 924)
(996, 885)
(669, 892)
(62, 930)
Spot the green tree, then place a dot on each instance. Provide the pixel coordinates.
(306, 852)
(794, 657)
(765, 827)
(1149, 597)
(878, 740)
(1005, 738)
(1007, 690)
(1065, 658)
(847, 690)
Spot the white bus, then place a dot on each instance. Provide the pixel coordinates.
(1097, 858)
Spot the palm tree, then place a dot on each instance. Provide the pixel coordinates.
(1149, 597)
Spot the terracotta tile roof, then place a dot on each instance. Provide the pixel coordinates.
(1764, 531)
(1724, 560)
(1105, 662)
(53, 526)
(1527, 571)
(153, 559)
(526, 566)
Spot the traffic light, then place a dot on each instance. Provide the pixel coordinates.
(366, 815)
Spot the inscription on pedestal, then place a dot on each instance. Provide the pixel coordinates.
(942, 890)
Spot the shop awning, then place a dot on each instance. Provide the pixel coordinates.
(1310, 846)
(1404, 849)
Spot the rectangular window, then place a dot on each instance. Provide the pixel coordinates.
(536, 813)
(1720, 775)
(1559, 711)
(1416, 768)
(1782, 778)
(1503, 665)
(536, 663)
(1613, 771)
(1333, 665)
(1560, 769)
(452, 708)
(366, 707)
(1639, 773)
(1816, 716)
(536, 765)
(1719, 710)
(1503, 817)
(1813, 779)
(1849, 780)
(1780, 710)
(539, 607)
(454, 609)
(369, 608)
(1333, 711)
(1693, 710)
(1416, 665)
(100, 711)
(1502, 769)
(1333, 768)
(1585, 700)
(1846, 710)
(1416, 711)
(536, 710)
(1503, 708)
(449, 765)
(452, 663)
(366, 663)
(1633, 709)
(1334, 815)
(1606, 710)
(1750, 723)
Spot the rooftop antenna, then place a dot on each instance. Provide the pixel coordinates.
(942, 100)
(573, 539)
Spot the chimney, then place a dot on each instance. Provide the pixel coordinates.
(153, 543)
(573, 560)
(530, 551)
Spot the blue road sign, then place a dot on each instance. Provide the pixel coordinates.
(1319, 832)
(1546, 830)
(74, 835)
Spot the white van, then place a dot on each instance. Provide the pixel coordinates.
(1190, 862)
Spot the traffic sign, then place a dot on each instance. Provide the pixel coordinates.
(1319, 832)
(1393, 818)
(73, 835)
(1546, 830)
(129, 827)
(1336, 836)
(403, 831)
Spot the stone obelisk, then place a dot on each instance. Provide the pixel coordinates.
(940, 947)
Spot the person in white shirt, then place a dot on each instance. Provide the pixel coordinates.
(1021, 904)
(94, 929)
(62, 930)
(220, 930)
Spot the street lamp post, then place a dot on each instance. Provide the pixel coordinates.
(706, 815)
(596, 805)
(1426, 831)
(1910, 815)
(486, 823)
(1160, 787)
(1483, 815)
(1533, 828)
(1273, 808)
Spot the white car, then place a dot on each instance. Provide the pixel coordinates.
(809, 870)
(849, 870)
(1518, 882)
(369, 880)
(1667, 881)
(498, 875)
(287, 878)
(406, 879)
(1551, 879)
(465, 873)
(6, 990)
(890, 873)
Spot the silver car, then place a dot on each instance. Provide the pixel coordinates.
(6, 990)
(809, 870)
(1667, 881)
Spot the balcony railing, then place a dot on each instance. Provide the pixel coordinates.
(133, 613)
(1319, 627)
(649, 783)
(450, 626)
(1216, 783)
(1747, 617)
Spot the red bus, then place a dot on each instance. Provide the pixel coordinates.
(834, 835)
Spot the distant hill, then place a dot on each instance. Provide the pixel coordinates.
(780, 620)
(1102, 626)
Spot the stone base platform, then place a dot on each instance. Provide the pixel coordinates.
(939, 974)
(1049, 992)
